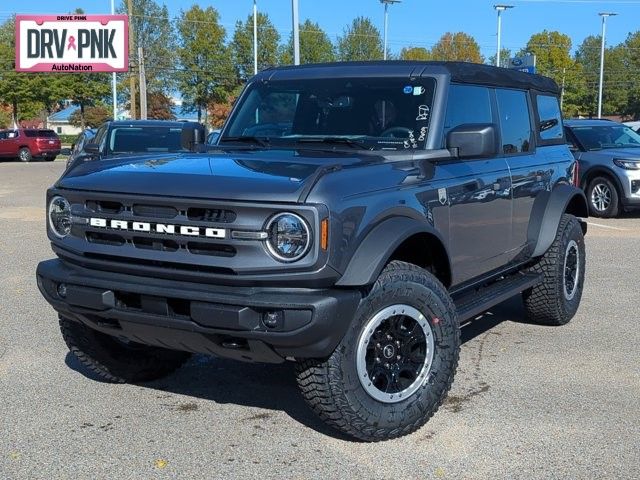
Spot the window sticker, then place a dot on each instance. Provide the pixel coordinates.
(423, 112)
(408, 89)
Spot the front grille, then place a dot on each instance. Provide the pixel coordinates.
(158, 236)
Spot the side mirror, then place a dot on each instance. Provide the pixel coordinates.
(92, 148)
(474, 140)
(65, 151)
(193, 137)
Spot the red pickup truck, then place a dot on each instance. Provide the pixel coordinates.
(29, 143)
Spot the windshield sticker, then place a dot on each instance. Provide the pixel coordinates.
(419, 90)
(408, 89)
(423, 134)
(423, 113)
(412, 139)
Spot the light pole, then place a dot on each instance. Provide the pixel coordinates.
(296, 32)
(500, 8)
(114, 93)
(604, 16)
(255, 37)
(386, 22)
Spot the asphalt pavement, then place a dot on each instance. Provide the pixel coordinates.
(528, 401)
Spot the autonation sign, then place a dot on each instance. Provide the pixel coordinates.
(72, 43)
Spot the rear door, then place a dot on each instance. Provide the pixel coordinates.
(479, 193)
(533, 171)
(4, 144)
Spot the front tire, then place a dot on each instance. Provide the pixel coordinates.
(117, 361)
(555, 300)
(395, 365)
(24, 155)
(603, 198)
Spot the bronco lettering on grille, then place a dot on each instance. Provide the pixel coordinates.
(163, 228)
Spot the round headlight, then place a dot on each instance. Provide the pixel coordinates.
(289, 238)
(60, 216)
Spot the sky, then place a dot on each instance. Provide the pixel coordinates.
(411, 23)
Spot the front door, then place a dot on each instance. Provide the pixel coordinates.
(479, 194)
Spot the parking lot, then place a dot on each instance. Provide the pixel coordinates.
(528, 401)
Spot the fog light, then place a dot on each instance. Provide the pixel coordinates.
(62, 290)
(635, 186)
(273, 319)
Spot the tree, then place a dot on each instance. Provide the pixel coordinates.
(242, 45)
(631, 59)
(16, 89)
(614, 93)
(207, 73)
(361, 41)
(315, 45)
(553, 59)
(457, 47)
(153, 31)
(93, 117)
(159, 107)
(84, 89)
(505, 56)
(415, 53)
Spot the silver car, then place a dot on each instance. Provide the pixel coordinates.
(608, 154)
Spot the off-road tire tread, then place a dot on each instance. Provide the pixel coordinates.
(542, 302)
(321, 382)
(152, 364)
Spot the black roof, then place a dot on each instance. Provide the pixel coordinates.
(460, 72)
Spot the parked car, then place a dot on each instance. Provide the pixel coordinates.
(609, 158)
(76, 151)
(132, 137)
(346, 244)
(27, 144)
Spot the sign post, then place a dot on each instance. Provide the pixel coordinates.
(72, 43)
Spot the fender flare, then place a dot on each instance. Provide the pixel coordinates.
(378, 245)
(547, 209)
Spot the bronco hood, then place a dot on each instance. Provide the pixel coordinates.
(264, 175)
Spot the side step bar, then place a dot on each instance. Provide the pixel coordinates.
(480, 300)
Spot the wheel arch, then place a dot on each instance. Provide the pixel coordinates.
(597, 171)
(547, 211)
(398, 238)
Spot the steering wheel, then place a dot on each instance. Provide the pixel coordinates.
(396, 132)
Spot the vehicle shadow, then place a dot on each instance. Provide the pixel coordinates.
(269, 386)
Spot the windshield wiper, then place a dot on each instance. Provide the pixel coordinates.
(335, 140)
(263, 141)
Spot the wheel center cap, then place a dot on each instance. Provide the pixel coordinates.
(388, 351)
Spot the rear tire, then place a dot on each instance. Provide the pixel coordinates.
(24, 155)
(603, 198)
(391, 371)
(50, 159)
(117, 361)
(555, 300)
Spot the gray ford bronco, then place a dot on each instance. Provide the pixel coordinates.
(350, 217)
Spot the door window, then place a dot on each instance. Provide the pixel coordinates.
(467, 104)
(515, 121)
(550, 117)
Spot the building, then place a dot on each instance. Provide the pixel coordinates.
(59, 121)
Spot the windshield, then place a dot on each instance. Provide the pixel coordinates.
(145, 139)
(606, 136)
(371, 113)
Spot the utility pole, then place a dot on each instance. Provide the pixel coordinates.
(386, 23)
(296, 32)
(604, 16)
(114, 91)
(143, 85)
(132, 77)
(255, 37)
(564, 74)
(500, 9)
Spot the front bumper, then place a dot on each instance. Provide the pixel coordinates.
(214, 319)
(630, 180)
